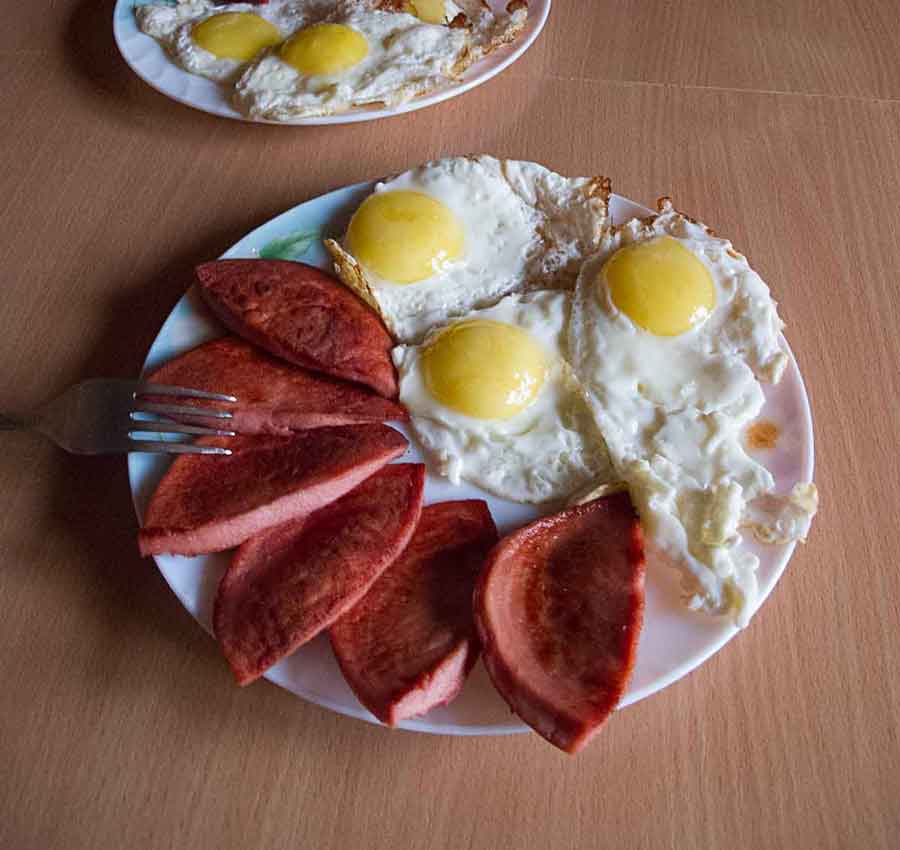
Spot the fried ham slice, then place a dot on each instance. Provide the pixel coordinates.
(303, 315)
(211, 503)
(559, 608)
(410, 642)
(273, 396)
(286, 585)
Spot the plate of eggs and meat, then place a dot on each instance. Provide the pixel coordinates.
(486, 413)
(322, 61)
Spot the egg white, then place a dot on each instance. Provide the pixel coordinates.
(526, 228)
(544, 453)
(490, 24)
(673, 412)
(490, 28)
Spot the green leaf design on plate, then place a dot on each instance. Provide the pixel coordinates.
(290, 247)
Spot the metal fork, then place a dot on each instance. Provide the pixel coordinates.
(106, 416)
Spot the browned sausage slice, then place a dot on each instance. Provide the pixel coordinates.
(274, 397)
(286, 585)
(559, 609)
(303, 315)
(211, 503)
(410, 642)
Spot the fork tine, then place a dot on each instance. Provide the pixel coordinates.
(183, 392)
(180, 410)
(172, 428)
(162, 446)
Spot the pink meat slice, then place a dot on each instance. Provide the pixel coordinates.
(211, 503)
(559, 608)
(274, 397)
(286, 585)
(303, 315)
(410, 642)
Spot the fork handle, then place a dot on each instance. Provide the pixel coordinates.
(12, 423)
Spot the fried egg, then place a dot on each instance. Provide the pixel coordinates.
(490, 25)
(318, 57)
(492, 401)
(459, 234)
(362, 57)
(672, 333)
(430, 11)
(217, 40)
(490, 28)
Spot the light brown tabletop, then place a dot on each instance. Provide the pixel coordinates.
(776, 123)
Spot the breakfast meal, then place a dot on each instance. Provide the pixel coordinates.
(410, 642)
(609, 375)
(290, 59)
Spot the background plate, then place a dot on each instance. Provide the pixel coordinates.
(152, 64)
(674, 640)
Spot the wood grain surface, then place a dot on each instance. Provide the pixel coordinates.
(777, 123)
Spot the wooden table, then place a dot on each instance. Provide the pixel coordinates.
(777, 123)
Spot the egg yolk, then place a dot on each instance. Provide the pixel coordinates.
(484, 369)
(404, 236)
(235, 35)
(325, 49)
(430, 11)
(660, 285)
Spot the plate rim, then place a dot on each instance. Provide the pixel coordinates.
(421, 724)
(513, 52)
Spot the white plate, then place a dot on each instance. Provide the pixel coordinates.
(152, 64)
(674, 640)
